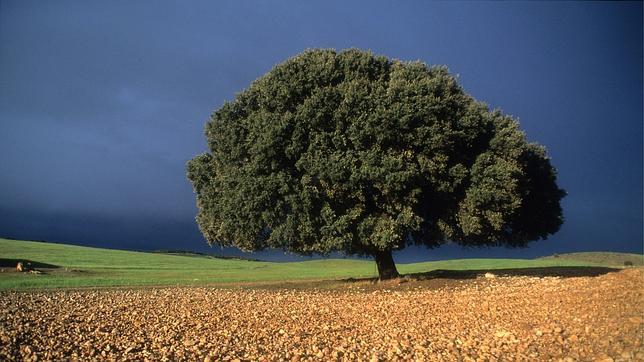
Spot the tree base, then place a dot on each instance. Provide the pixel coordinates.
(386, 266)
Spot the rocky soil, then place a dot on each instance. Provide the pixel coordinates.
(486, 318)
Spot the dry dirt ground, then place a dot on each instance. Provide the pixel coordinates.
(502, 318)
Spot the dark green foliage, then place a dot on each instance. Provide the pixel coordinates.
(357, 153)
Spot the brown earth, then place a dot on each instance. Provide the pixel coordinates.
(493, 318)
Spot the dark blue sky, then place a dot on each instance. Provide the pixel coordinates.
(103, 102)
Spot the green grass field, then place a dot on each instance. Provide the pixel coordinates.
(77, 266)
(602, 258)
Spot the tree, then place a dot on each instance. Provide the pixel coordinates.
(351, 152)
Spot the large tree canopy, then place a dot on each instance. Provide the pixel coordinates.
(347, 151)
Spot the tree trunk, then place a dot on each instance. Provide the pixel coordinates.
(386, 267)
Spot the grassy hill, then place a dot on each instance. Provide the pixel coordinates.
(602, 258)
(77, 266)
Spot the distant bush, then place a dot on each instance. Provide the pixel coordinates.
(196, 253)
(555, 255)
(628, 263)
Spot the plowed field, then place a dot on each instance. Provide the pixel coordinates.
(501, 318)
